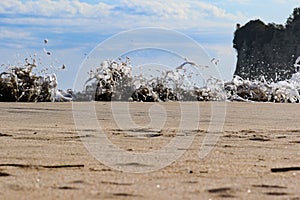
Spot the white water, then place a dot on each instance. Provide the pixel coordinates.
(122, 82)
(116, 78)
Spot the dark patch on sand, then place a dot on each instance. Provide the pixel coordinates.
(135, 164)
(121, 194)
(269, 186)
(259, 138)
(294, 142)
(36, 109)
(4, 174)
(67, 188)
(40, 166)
(100, 170)
(276, 193)
(5, 135)
(285, 169)
(78, 182)
(223, 192)
(116, 183)
(220, 190)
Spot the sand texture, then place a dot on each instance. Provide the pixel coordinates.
(257, 155)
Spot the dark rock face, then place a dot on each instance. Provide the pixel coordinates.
(268, 50)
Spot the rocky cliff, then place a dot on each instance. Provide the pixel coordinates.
(269, 50)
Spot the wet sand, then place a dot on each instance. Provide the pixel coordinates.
(257, 155)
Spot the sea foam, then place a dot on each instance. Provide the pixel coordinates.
(114, 80)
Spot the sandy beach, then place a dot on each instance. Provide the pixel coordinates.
(257, 155)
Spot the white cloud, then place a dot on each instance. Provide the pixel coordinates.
(242, 2)
(159, 8)
(63, 8)
(218, 12)
(285, 1)
(189, 10)
(127, 14)
(14, 34)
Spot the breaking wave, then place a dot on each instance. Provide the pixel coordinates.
(26, 84)
(114, 80)
(117, 80)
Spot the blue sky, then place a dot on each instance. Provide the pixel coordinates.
(75, 27)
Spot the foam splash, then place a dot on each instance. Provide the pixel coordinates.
(23, 84)
(113, 80)
(116, 81)
(245, 90)
(32, 81)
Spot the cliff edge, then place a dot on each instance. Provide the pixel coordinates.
(269, 50)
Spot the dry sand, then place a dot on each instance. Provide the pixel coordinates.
(42, 156)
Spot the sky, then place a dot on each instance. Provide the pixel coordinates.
(73, 28)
